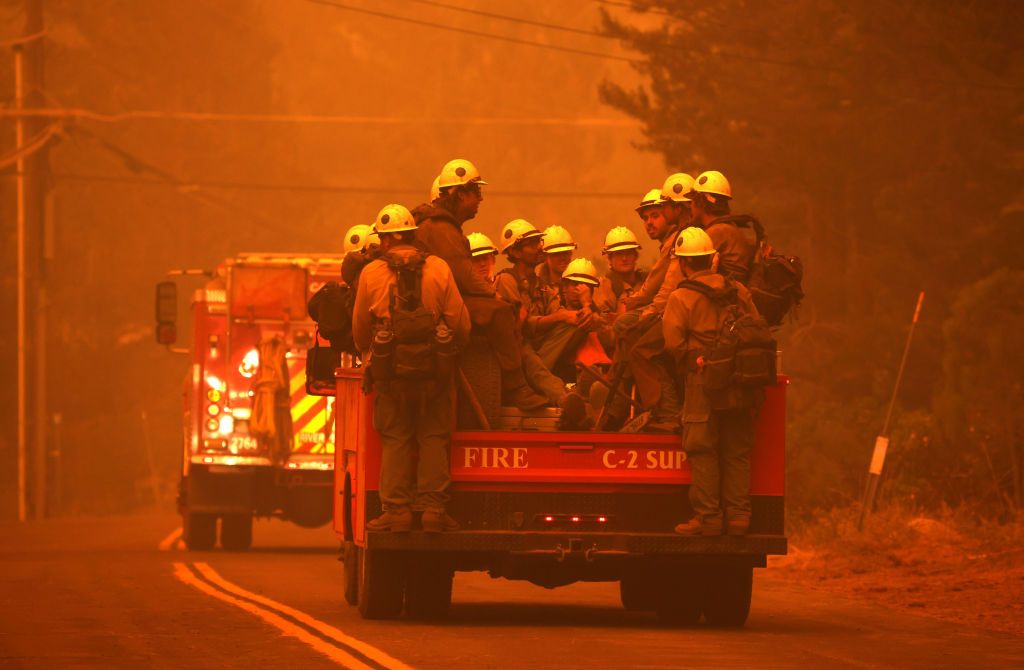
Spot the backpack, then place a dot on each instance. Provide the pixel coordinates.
(742, 356)
(331, 308)
(411, 345)
(775, 279)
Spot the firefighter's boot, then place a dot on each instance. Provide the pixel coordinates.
(574, 413)
(515, 391)
(737, 525)
(396, 520)
(698, 526)
(436, 521)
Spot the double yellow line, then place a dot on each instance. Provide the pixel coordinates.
(343, 649)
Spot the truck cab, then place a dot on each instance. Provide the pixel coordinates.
(553, 508)
(255, 441)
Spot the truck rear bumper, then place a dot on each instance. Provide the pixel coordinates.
(588, 545)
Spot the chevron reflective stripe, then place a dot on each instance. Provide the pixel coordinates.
(312, 416)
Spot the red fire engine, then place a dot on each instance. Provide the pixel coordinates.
(254, 442)
(554, 508)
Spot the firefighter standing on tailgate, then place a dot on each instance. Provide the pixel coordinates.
(408, 319)
(440, 233)
(717, 439)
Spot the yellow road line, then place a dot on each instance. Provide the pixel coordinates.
(171, 541)
(367, 650)
(286, 627)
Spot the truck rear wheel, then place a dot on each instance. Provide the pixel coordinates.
(639, 591)
(236, 532)
(428, 592)
(353, 557)
(727, 599)
(199, 530)
(679, 597)
(381, 584)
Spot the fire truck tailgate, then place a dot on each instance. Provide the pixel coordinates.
(592, 544)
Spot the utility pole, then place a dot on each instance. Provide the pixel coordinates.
(31, 187)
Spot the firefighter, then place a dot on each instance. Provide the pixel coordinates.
(558, 252)
(638, 331)
(361, 246)
(484, 255)
(548, 327)
(717, 442)
(622, 249)
(662, 231)
(732, 236)
(409, 409)
(538, 311)
(440, 233)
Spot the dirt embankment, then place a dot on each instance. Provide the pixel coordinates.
(950, 568)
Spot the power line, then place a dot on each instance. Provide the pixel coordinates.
(189, 185)
(138, 164)
(30, 147)
(477, 33)
(329, 119)
(23, 40)
(512, 19)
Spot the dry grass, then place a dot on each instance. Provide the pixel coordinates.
(950, 566)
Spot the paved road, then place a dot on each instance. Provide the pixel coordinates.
(101, 593)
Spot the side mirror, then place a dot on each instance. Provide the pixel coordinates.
(166, 313)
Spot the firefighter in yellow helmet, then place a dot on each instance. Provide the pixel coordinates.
(736, 237)
(440, 233)
(717, 437)
(640, 349)
(537, 310)
(558, 252)
(408, 318)
(622, 249)
(484, 255)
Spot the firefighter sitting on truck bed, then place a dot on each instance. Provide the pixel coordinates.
(407, 322)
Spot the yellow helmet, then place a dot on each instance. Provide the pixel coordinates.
(435, 190)
(619, 238)
(651, 199)
(693, 242)
(357, 237)
(394, 219)
(714, 183)
(480, 245)
(581, 270)
(517, 230)
(457, 172)
(556, 239)
(677, 186)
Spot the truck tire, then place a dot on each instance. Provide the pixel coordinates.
(236, 532)
(381, 584)
(679, 598)
(353, 557)
(428, 592)
(727, 599)
(483, 373)
(199, 531)
(639, 591)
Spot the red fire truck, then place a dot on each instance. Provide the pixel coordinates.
(243, 454)
(553, 508)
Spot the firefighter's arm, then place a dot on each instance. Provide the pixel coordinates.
(456, 316)
(743, 293)
(674, 325)
(673, 275)
(362, 318)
